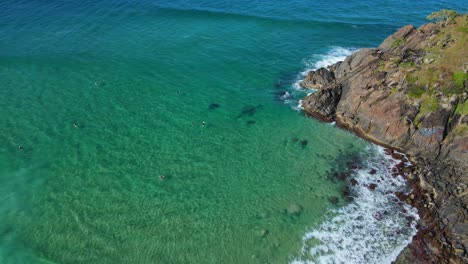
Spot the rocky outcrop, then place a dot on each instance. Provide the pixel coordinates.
(405, 94)
(317, 79)
(323, 104)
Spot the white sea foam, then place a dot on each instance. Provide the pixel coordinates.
(314, 62)
(374, 228)
(298, 107)
(317, 61)
(335, 55)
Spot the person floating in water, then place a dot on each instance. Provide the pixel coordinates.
(203, 123)
(161, 177)
(20, 148)
(75, 125)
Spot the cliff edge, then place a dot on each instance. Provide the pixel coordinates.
(410, 94)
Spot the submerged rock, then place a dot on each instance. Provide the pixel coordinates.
(342, 176)
(333, 199)
(213, 106)
(249, 110)
(263, 215)
(347, 193)
(282, 95)
(294, 209)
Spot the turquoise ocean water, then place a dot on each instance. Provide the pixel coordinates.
(100, 98)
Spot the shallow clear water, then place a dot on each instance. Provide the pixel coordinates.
(138, 78)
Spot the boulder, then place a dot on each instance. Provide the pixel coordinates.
(317, 79)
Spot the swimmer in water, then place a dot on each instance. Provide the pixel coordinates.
(75, 125)
(161, 177)
(20, 147)
(203, 123)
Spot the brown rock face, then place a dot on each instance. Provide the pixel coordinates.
(323, 104)
(369, 93)
(316, 79)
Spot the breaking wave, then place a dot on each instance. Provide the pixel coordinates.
(374, 228)
(314, 62)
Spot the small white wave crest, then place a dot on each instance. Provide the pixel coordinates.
(373, 228)
(314, 62)
(317, 61)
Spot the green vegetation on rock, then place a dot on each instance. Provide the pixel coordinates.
(407, 64)
(398, 42)
(441, 69)
(428, 105)
(462, 108)
(443, 15)
(459, 79)
(416, 91)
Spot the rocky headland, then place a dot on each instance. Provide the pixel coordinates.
(410, 94)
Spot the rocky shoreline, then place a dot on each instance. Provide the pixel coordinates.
(410, 95)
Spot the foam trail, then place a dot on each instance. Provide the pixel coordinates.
(374, 228)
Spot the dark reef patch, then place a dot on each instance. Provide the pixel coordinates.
(213, 106)
(249, 110)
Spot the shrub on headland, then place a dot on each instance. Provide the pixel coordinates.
(444, 16)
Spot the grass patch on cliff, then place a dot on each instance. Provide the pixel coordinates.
(416, 91)
(407, 64)
(398, 42)
(462, 108)
(448, 49)
(459, 78)
(428, 105)
(462, 29)
(380, 67)
(457, 85)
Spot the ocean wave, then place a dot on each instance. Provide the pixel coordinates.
(314, 62)
(317, 61)
(374, 228)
